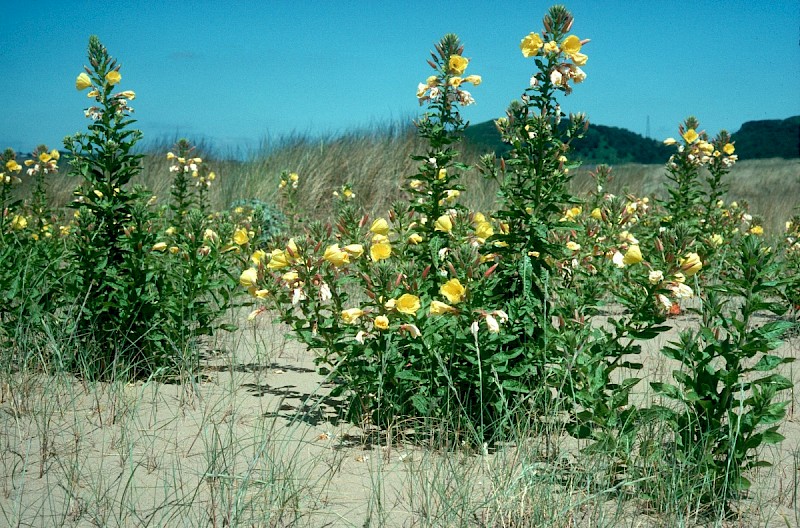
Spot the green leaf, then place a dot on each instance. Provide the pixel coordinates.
(769, 362)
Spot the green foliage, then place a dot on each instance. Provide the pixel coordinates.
(727, 387)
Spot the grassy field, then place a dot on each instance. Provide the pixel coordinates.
(377, 162)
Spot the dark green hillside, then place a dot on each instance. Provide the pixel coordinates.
(614, 145)
(601, 144)
(769, 138)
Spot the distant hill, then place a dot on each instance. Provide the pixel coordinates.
(614, 145)
(769, 138)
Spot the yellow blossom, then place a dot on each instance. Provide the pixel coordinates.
(13, 166)
(351, 315)
(414, 239)
(690, 136)
(571, 45)
(670, 141)
(572, 246)
(457, 64)
(249, 277)
(596, 213)
(453, 291)
(380, 227)
(258, 256)
(19, 222)
(407, 304)
(444, 224)
(442, 174)
(82, 82)
(174, 250)
(381, 322)
(240, 237)
(336, 256)
(691, 264)
(440, 308)
(483, 230)
(278, 260)
(632, 256)
(380, 251)
(756, 230)
(159, 246)
(290, 277)
(551, 47)
(728, 149)
(531, 45)
(717, 239)
(113, 77)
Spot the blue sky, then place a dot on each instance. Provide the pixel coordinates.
(234, 74)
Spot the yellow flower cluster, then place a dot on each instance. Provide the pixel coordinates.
(436, 86)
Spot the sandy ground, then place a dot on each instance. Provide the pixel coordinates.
(257, 443)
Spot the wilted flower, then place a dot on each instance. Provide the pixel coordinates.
(655, 276)
(336, 256)
(380, 227)
(691, 264)
(210, 235)
(632, 256)
(83, 82)
(444, 224)
(492, 323)
(249, 277)
(453, 291)
(440, 308)
(354, 250)
(351, 315)
(407, 304)
(411, 329)
(414, 238)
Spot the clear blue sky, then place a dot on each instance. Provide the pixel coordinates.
(236, 73)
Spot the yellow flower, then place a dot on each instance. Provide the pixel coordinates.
(351, 315)
(443, 223)
(240, 237)
(414, 238)
(457, 64)
(277, 260)
(551, 47)
(717, 239)
(579, 59)
(475, 80)
(455, 81)
(290, 277)
(531, 45)
(380, 251)
(82, 82)
(19, 222)
(407, 304)
(756, 230)
(381, 322)
(632, 256)
(442, 174)
(453, 291)
(728, 149)
(690, 136)
(691, 264)
(336, 256)
(13, 166)
(571, 45)
(483, 230)
(174, 250)
(572, 246)
(440, 308)
(160, 246)
(113, 77)
(380, 227)
(249, 277)
(258, 256)
(596, 213)
(669, 141)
